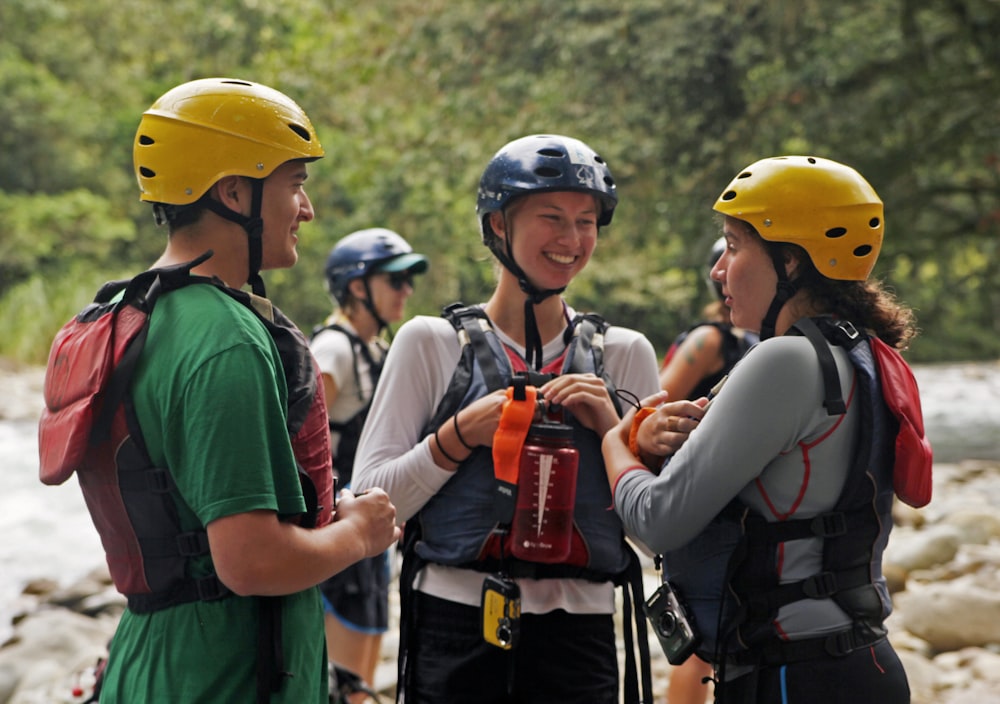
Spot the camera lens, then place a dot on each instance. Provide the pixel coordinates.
(504, 634)
(667, 623)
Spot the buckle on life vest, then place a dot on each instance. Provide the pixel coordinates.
(820, 586)
(829, 525)
(211, 588)
(192, 544)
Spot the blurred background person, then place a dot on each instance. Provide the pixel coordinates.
(370, 275)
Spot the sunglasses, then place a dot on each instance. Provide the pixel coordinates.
(399, 279)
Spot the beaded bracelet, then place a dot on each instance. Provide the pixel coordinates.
(458, 434)
(441, 448)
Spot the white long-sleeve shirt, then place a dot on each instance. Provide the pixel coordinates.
(394, 456)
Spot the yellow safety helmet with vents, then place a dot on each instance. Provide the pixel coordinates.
(204, 130)
(823, 206)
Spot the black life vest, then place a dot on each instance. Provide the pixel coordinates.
(854, 532)
(89, 427)
(349, 431)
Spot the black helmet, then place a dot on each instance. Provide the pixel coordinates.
(543, 162)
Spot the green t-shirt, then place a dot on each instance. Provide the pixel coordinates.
(210, 396)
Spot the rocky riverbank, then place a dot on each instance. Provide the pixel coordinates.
(942, 565)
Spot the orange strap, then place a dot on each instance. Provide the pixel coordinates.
(515, 420)
(633, 433)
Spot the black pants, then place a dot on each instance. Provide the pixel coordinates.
(560, 658)
(872, 675)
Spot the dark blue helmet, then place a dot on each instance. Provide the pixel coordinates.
(543, 162)
(375, 250)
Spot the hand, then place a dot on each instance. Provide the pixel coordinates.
(664, 431)
(373, 517)
(479, 420)
(586, 397)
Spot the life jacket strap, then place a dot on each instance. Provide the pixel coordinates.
(835, 645)
(515, 420)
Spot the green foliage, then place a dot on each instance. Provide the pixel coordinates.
(412, 97)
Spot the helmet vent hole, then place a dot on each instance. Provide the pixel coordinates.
(145, 140)
(548, 172)
(875, 223)
(301, 132)
(146, 172)
(608, 180)
(863, 251)
(835, 232)
(598, 159)
(745, 174)
(811, 160)
(728, 195)
(554, 153)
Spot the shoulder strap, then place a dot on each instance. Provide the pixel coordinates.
(471, 322)
(834, 402)
(584, 340)
(141, 292)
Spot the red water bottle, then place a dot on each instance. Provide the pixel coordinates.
(546, 492)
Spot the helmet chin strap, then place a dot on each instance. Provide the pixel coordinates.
(370, 307)
(254, 226)
(785, 290)
(532, 338)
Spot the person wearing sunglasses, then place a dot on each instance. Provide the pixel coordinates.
(370, 275)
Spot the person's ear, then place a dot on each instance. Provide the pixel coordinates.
(357, 288)
(229, 191)
(792, 262)
(498, 223)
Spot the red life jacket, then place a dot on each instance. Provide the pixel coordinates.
(89, 427)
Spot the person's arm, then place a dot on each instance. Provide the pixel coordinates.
(227, 444)
(393, 453)
(766, 406)
(698, 356)
(256, 554)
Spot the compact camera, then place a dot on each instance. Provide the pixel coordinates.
(501, 609)
(671, 624)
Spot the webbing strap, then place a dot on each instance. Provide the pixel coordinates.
(632, 597)
(515, 420)
(834, 401)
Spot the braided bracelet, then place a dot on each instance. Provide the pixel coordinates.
(441, 448)
(458, 433)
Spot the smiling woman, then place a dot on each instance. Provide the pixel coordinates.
(442, 398)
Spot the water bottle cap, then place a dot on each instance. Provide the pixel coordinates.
(554, 431)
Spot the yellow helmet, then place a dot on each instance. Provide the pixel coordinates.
(210, 128)
(825, 207)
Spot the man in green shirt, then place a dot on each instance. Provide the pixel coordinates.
(224, 162)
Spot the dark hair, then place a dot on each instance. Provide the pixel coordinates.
(867, 304)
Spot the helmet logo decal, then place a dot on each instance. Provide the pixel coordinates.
(585, 175)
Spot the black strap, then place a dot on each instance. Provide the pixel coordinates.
(782, 652)
(270, 650)
(633, 596)
(834, 401)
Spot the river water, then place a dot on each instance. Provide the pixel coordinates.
(46, 531)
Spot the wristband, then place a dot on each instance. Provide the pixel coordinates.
(458, 433)
(441, 448)
(633, 433)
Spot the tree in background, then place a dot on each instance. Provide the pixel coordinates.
(404, 95)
